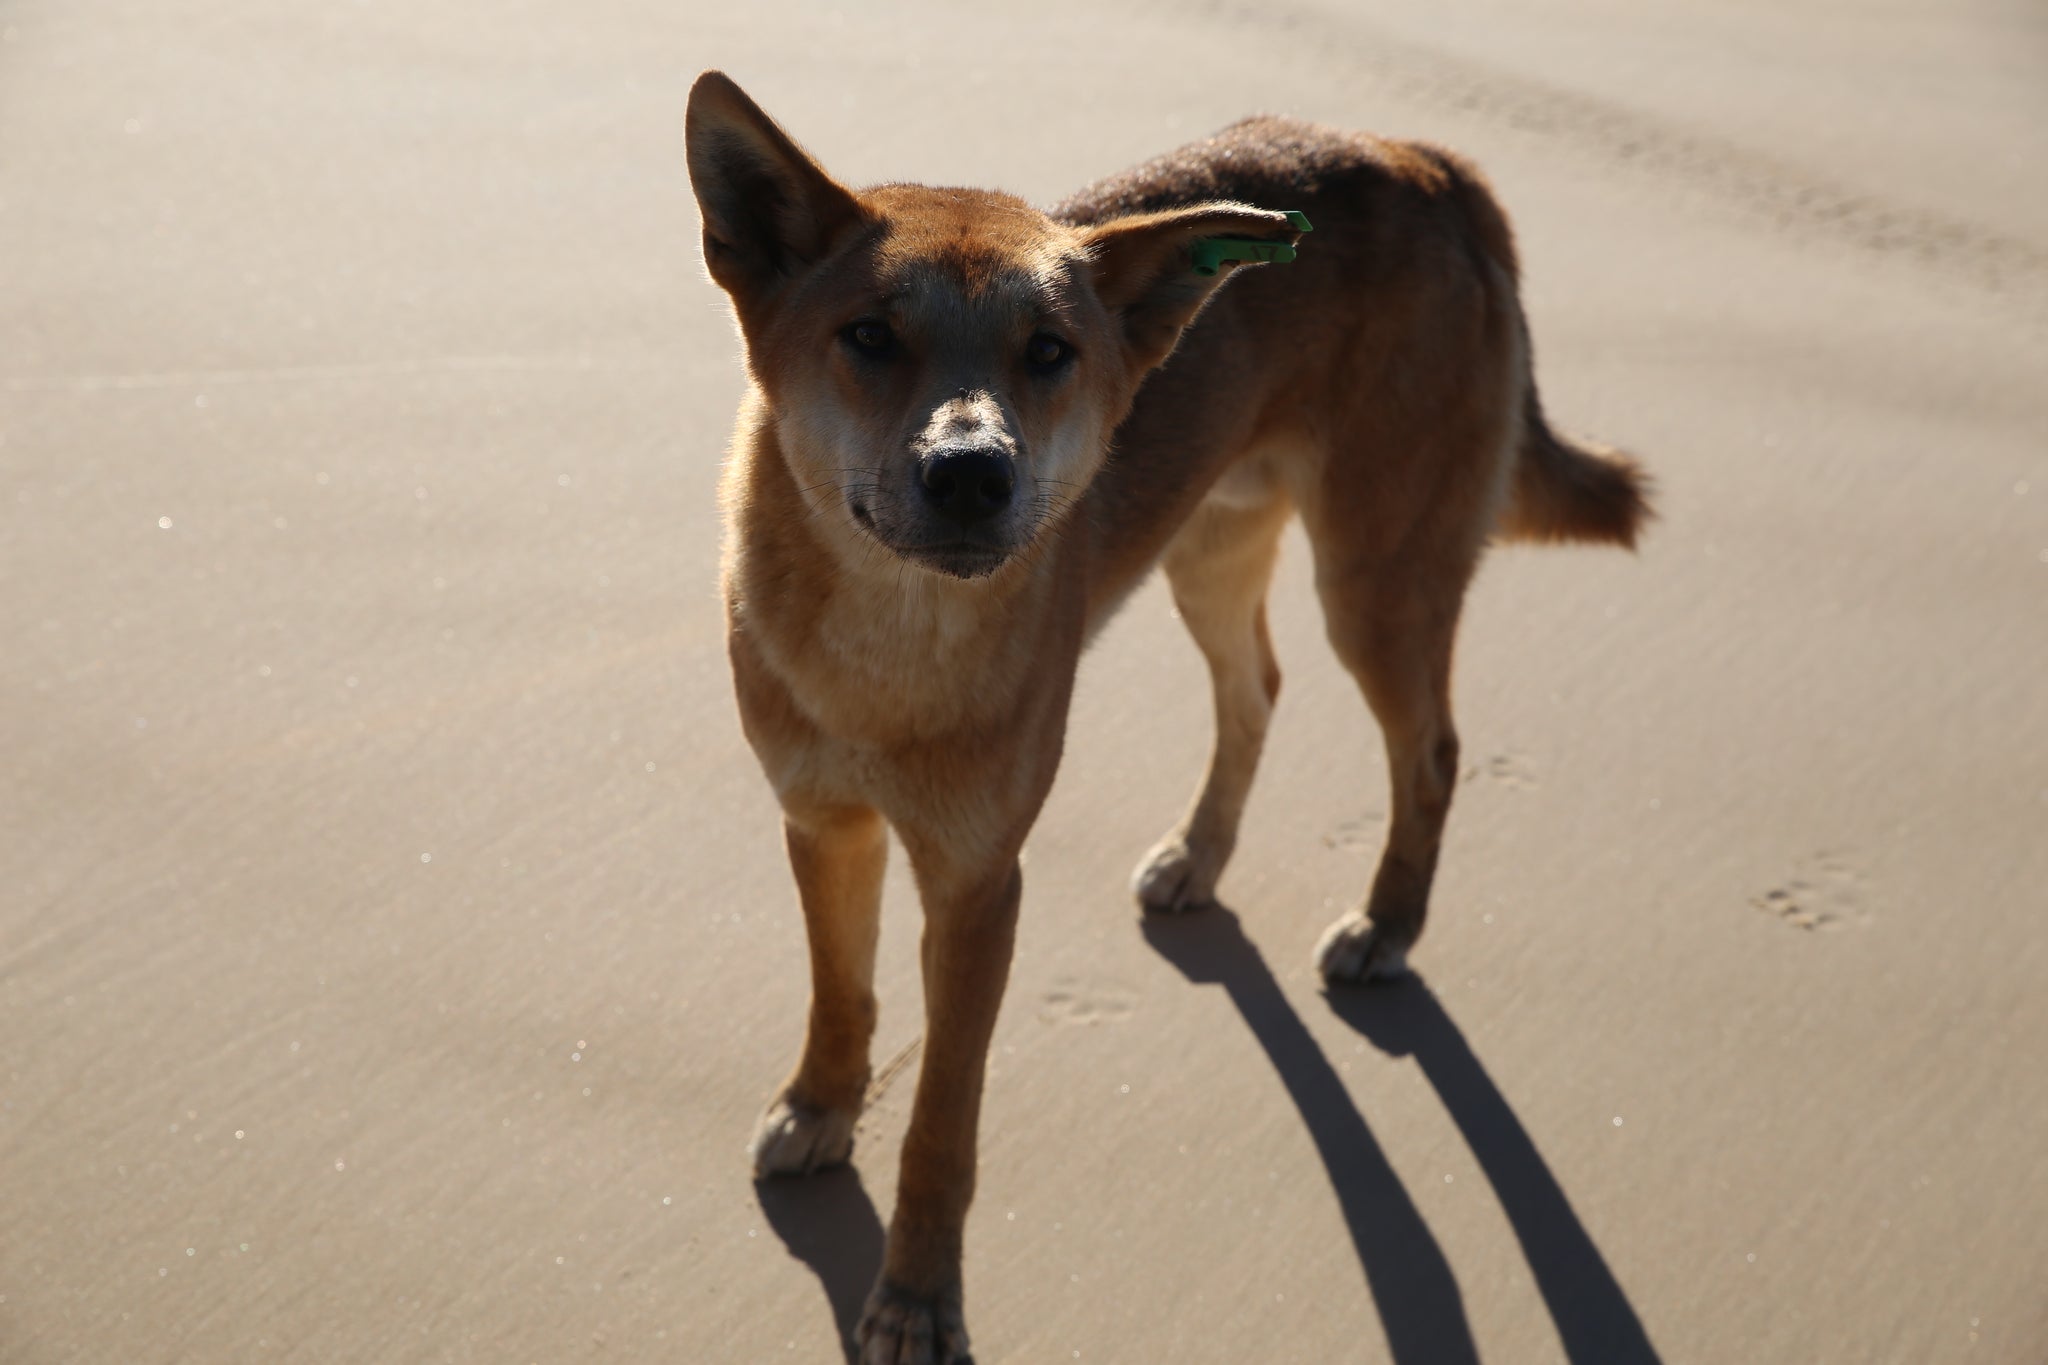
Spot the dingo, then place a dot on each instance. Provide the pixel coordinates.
(973, 428)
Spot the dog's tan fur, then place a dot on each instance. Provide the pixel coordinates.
(895, 673)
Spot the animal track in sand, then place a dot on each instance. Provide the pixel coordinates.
(1511, 770)
(1076, 1000)
(1362, 835)
(1367, 834)
(1827, 893)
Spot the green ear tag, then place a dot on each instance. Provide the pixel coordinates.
(1212, 252)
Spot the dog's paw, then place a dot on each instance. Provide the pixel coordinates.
(902, 1328)
(1355, 949)
(795, 1138)
(1176, 876)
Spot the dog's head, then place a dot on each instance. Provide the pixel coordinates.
(943, 367)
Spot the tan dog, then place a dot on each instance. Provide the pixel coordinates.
(964, 444)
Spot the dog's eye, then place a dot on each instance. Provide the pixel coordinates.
(871, 334)
(1047, 352)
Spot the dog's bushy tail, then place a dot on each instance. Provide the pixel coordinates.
(1564, 491)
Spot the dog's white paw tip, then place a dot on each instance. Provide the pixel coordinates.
(1354, 949)
(1168, 881)
(901, 1328)
(796, 1139)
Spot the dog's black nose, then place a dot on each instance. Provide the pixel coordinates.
(967, 485)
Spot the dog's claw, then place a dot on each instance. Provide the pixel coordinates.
(796, 1138)
(1355, 949)
(902, 1328)
(1172, 879)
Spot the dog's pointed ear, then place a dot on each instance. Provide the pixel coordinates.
(768, 209)
(1145, 268)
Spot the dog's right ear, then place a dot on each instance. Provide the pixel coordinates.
(768, 209)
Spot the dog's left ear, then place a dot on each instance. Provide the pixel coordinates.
(1144, 268)
(769, 210)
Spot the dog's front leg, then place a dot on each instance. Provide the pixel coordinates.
(838, 855)
(914, 1315)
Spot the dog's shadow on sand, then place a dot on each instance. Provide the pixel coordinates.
(828, 1222)
(1411, 1281)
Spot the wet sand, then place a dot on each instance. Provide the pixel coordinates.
(395, 945)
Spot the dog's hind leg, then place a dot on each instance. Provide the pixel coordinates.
(838, 857)
(1393, 628)
(1218, 566)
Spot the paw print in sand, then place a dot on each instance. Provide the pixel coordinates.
(1827, 894)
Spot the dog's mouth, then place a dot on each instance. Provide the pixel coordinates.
(962, 555)
(957, 558)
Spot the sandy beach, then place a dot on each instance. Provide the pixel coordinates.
(396, 944)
